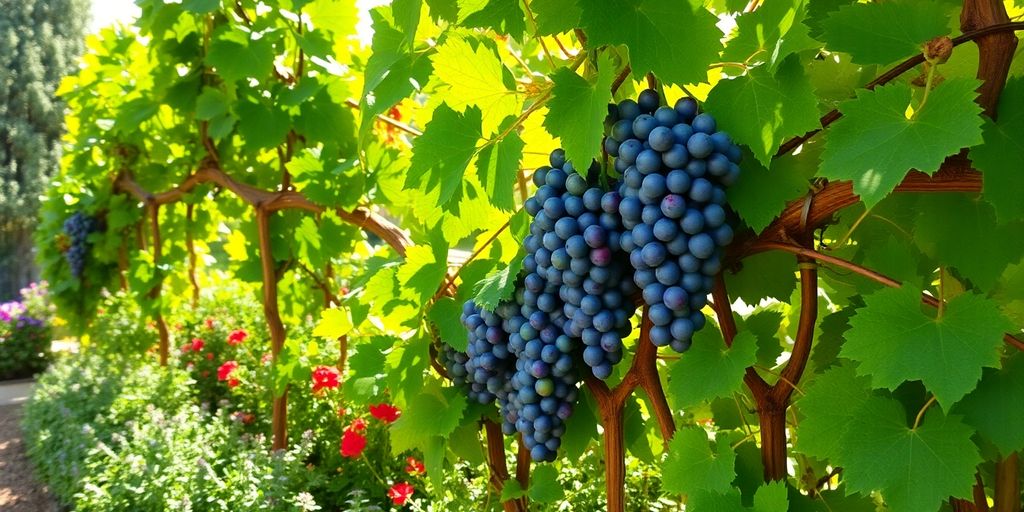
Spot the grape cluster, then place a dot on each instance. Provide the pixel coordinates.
(591, 254)
(78, 227)
(675, 168)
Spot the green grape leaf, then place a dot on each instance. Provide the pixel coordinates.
(577, 112)
(822, 423)
(392, 71)
(769, 274)
(761, 193)
(210, 104)
(651, 29)
(895, 341)
(709, 369)
(765, 325)
(445, 315)
(882, 32)
(506, 17)
(962, 232)
(768, 498)
(334, 323)
(511, 490)
(693, 465)
(1000, 156)
(879, 451)
(365, 380)
(498, 285)
(555, 16)
(784, 105)
(769, 34)
(424, 268)
(474, 77)
(544, 486)
(200, 6)
(497, 166)
(234, 57)
(262, 126)
(994, 407)
(818, 11)
(874, 144)
(441, 155)
(433, 412)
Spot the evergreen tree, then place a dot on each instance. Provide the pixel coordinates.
(40, 41)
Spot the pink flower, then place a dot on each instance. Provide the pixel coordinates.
(385, 412)
(237, 337)
(400, 493)
(225, 371)
(414, 467)
(352, 443)
(324, 377)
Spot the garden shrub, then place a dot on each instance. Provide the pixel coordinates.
(25, 333)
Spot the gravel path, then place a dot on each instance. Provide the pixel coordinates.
(19, 490)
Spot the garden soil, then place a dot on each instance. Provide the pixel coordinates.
(19, 489)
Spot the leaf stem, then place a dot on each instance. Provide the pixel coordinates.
(942, 292)
(920, 414)
(927, 87)
(540, 39)
(846, 238)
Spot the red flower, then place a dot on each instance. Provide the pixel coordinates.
(225, 371)
(414, 467)
(352, 443)
(385, 412)
(324, 377)
(357, 425)
(400, 493)
(237, 337)
(232, 382)
(206, 373)
(197, 344)
(209, 356)
(209, 323)
(185, 348)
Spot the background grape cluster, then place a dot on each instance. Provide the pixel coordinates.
(654, 234)
(78, 227)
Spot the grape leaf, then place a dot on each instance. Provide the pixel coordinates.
(895, 341)
(544, 486)
(424, 269)
(555, 16)
(433, 412)
(962, 232)
(881, 32)
(577, 112)
(334, 323)
(497, 166)
(710, 369)
(994, 407)
(365, 380)
(474, 77)
(693, 465)
(769, 34)
(770, 274)
(818, 11)
(200, 6)
(498, 285)
(210, 104)
(874, 144)
(765, 324)
(504, 16)
(1000, 156)
(822, 423)
(262, 126)
(441, 155)
(784, 105)
(768, 498)
(667, 37)
(445, 315)
(761, 193)
(235, 58)
(879, 451)
(392, 71)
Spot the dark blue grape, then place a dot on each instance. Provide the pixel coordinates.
(687, 109)
(661, 139)
(700, 145)
(648, 100)
(704, 123)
